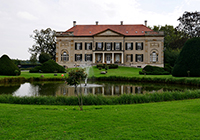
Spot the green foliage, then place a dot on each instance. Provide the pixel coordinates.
(153, 70)
(51, 66)
(45, 42)
(170, 56)
(113, 66)
(35, 69)
(43, 57)
(102, 100)
(75, 76)
(188, 60)
(168, 68)
(7, 67)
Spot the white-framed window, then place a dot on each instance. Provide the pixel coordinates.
(139, 57)
(78, 46)
(129, 46)
(154, 57)
(64, 56)
(99, 46)
(78, 57)
(108, 46)
(88, 46)
(117, 46)
(139, 46)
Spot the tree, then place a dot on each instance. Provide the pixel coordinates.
(74, 78)
(172, 38)
(43, 57)
(33, 58)
(188, 61)
(190, 24)
(45, 42)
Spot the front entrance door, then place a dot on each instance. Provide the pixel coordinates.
(108, 58)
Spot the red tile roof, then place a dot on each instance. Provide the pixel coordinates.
(91, 30)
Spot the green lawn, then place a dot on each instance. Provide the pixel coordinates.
(165, 120)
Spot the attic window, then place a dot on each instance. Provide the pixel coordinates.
(127, 32)
(135, 31)
(142, 31)
(90, 32)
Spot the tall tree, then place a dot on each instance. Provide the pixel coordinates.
(190, 24)
(45, 42)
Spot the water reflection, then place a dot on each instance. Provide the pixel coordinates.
(103, 88)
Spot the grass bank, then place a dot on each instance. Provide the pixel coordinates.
(102, 100)
(167, 120)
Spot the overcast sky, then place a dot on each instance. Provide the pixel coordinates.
(18, 18)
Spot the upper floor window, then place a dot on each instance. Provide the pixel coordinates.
(117, 46)
(153, 57)
(88, 46)
(129, 46)
(108, 46)
(64, 56)
(139, 57)
(139, 46)
(99, 46)
(78, 46)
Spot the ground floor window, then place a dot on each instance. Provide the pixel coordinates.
(78, 57)
(129, 57)
(88, 57)
(117, 57)
(64, 56)
(153, 57)
(139, 57)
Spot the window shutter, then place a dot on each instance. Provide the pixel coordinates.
(131, 57)
(75, 46)
(142, 57)
(81, 57)
(114, 46)
(90, 46)
(120, 45)
(136, 46)
(111, 46)
(75, 57)
(142, 45)
(136, 58)
(105, 46)
(81, 46)
(85, 57)
(90, 57)
(131, 46)
(85, 46)
(126, 46)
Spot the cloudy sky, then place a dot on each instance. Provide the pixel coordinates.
(18, 18)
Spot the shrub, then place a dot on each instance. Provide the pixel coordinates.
(50, 66)
(7, 67)
(44, 57)
(100, 65)
(113, 66)
(188, 59)
(35, 70)
(168, 68)
(153, 70)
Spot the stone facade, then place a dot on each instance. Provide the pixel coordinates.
(127, 45)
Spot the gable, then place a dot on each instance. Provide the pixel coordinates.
(108, 33)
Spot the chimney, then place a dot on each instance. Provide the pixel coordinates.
(121, 22)
(74, 23)
(145, 22)
(97, 22)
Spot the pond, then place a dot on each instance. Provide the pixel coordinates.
(104, 88)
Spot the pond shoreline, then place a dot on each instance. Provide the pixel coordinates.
(182, 81)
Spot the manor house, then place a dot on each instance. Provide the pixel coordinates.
(127, 45)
